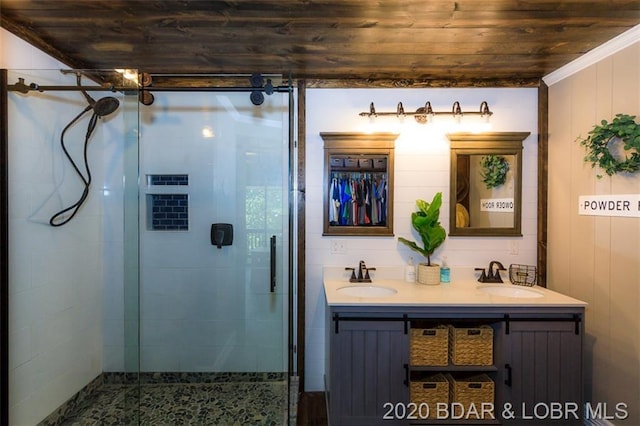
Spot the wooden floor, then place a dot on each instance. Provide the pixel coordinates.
(312, 409)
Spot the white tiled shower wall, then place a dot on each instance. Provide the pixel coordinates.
(421, 170)
(56, 274)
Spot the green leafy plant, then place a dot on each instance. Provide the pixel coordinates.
(623, 127)
(494, 170)
(426, 221)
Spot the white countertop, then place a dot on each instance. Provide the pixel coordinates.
(459, 293)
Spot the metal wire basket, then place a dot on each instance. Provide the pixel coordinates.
(523, 275)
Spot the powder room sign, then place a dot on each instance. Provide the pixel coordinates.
(625, 205)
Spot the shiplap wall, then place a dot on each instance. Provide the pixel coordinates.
(597, 259)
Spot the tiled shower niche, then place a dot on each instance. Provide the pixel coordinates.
(167, 210)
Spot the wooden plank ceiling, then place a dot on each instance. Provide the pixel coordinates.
(483, 42)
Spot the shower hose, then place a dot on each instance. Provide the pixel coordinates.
(65, 215)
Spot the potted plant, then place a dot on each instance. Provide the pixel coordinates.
(426, 221)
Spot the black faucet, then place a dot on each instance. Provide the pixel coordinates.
(362, 275)
(493, 276)
(362, 268)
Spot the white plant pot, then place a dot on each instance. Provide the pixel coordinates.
(429, 275)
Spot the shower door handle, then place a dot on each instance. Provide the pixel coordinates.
(273, 263)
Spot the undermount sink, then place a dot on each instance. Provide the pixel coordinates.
(507, 290)
(366, 291)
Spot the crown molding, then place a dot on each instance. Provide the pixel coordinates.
(594, 55)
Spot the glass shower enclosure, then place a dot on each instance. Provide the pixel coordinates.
(167, 296)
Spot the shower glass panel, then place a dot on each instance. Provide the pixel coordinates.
(71, 334)
(135, 312)
(214, 299)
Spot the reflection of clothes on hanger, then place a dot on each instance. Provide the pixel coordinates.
(360, 202)
(334, 202)
(382, 200)
(345, 213)
(354, 201)
(366, 214)
(357, 199)
(373, 200)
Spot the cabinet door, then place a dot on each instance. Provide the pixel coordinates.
(543, 372)
(367, 370)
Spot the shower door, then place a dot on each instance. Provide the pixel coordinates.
(212, 313)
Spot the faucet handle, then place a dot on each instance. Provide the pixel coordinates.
(483, 275)
(353, 274)
(366, 275)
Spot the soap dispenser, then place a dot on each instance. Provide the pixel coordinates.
(445, 272)
(410, 271)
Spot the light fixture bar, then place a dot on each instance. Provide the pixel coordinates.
(426, 113)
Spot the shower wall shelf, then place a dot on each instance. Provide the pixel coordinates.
(358, 184)
(167, 202)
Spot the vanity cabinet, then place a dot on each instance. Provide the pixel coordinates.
(537, 356)
(543, 363)
(368, 362)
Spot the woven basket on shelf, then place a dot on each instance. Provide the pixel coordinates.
(471, 346)
(430, 346)
(477, 390)
(431, 390)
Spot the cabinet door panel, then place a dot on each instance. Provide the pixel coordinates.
(546, 368)
(367, 371)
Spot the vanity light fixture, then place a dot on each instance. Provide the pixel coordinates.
(426, 113)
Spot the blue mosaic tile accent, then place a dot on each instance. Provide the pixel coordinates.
(154, 180)
(169, 212)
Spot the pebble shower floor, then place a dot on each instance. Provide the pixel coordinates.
(205, 404)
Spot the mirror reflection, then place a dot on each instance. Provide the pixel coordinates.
(486, 184)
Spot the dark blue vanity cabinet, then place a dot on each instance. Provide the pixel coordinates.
(368, 368)
(543, 366)
(536, 370)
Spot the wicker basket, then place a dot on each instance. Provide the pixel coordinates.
(431, 390)
(430, 346)
(471, 346)
(475, 394)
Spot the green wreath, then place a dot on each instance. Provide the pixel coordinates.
(622, 127)
(494, 170)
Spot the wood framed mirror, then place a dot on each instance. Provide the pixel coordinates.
(358, 183)
(486, 184)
